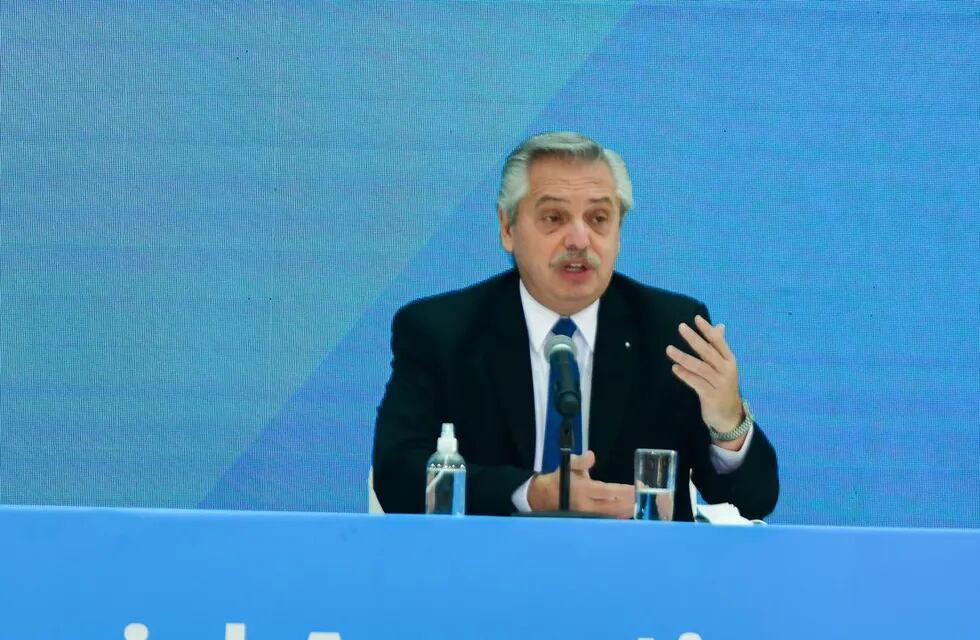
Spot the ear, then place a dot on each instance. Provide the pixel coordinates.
(506, 233)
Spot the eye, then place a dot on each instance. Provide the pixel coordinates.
(600, 219)
(551, 219)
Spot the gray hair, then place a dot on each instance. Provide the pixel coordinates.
(566, 144)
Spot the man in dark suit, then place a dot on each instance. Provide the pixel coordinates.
(654, 372)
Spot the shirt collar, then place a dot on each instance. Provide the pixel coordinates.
(540, 319)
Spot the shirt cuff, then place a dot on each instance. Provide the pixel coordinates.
(724, 460)
(519, 497)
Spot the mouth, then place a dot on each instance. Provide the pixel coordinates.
(575, 270)
(575, 267)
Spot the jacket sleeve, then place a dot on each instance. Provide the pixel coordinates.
(415, 404)
(407, 423)
(753, 487)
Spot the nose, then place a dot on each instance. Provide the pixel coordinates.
(577, 235)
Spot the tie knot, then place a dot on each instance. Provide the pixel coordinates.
(564, 327)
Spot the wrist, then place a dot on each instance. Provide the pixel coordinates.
(731, 445)
(734, 434)
(539, 494)
(730, 422)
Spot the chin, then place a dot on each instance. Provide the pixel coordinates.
(579, 300)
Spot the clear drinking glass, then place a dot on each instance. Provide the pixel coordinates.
(655, 477)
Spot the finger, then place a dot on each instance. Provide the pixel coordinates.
(715, 335)
(615, 500)
(696, 382)
(691, 363)
(606, 491)
(622, 510)
(723, 345)
(615, 492)
(701, 346)
(583, 462)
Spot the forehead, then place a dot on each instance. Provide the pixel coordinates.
(564, 177)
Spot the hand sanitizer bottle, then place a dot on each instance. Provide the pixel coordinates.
(445, 478)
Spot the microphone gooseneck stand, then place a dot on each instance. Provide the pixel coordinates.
(566, 444)
(565, 466)
(567, 398)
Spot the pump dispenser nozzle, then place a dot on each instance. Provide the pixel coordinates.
(447, 441)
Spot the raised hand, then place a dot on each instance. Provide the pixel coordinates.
(713, 376)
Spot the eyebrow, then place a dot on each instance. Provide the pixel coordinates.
(545, 199)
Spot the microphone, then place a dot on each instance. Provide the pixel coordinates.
(561, 354)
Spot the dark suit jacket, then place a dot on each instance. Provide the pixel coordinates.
(463, 357)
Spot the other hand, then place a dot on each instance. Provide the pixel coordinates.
(586, 495)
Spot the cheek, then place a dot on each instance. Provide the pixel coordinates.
(607, 247)
(546, 250)
(613, 248)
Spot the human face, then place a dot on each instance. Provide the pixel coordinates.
(565, 239)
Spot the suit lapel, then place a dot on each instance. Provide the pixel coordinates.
(507, 357)
(614, 372)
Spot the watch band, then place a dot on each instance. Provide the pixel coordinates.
(737, 432)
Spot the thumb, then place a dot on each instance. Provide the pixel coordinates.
(583, 462)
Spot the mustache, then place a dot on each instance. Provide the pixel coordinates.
(585, 255)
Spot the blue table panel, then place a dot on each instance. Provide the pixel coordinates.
(88, 573)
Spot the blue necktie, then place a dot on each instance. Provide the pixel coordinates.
(552, 430)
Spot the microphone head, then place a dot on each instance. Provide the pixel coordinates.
(556, 344)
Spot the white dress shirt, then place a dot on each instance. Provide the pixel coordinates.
(540, 320)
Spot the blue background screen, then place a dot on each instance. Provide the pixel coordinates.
(209, 215)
